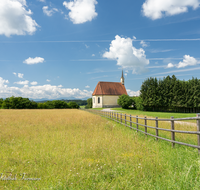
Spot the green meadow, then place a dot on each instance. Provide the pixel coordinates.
(74, 149)
(155, 114)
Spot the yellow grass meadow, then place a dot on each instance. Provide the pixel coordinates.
(74, 149)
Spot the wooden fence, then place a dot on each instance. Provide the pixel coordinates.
(127, 120)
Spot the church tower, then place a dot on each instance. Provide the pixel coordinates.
(122, 78)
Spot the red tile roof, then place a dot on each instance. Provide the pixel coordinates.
(109, 88)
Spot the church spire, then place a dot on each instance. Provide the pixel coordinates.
(122, 78)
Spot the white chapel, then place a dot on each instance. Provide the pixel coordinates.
(106, 94)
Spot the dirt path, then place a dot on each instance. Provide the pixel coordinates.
(110, 109)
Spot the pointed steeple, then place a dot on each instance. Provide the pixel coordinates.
(122, 78)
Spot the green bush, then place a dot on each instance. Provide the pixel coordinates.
(1, 102)
(89, 103)
(125, 101)
(73, 105)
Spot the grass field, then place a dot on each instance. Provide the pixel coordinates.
(155, 114)
(73, 149)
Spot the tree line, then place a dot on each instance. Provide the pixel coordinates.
(171, 94)
(79, 102)
(25, 103)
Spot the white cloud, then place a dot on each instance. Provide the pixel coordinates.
(34, 83)
(2, 83)
(144, 44)
(81, 10)
(187, 61)
(170, 65)
(36, 60)
(49, 12)
(20, 75)
(93, 55)
(22, 82)
(156, 9)
(126, 55)
(87, 86)
(44, 91)
(15, 19)
(126, 74)
(48, 80)
(133, 93)
(42, 1)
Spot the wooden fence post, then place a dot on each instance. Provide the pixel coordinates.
(117, 117)
(198, 130)
(156, 127)
(112, 115)
(137, 122)
(130, 121)
(145, 123)
(121, 117)
(125, 119)
(173, 133)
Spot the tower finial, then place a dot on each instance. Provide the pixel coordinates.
(122, 78)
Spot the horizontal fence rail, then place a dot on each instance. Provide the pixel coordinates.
(127, 120)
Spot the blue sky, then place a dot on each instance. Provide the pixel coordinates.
(61, 49)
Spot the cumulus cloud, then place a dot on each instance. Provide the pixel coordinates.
(49, 12)
(44, 91)
(14, 73)
(20, 75)
(187, 61)
(48, 80)
(36, 60)
(156, 9)
(81, 11)
(34, 83)
(93, 55)
(2, 83)
(22, 82)
(170, 65)
(126, 55)
(87, 86)
(15, 19)
(133, 93)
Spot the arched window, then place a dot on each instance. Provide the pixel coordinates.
(98, 100)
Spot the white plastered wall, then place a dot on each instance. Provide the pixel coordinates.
(95, 103)
(105, 101)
